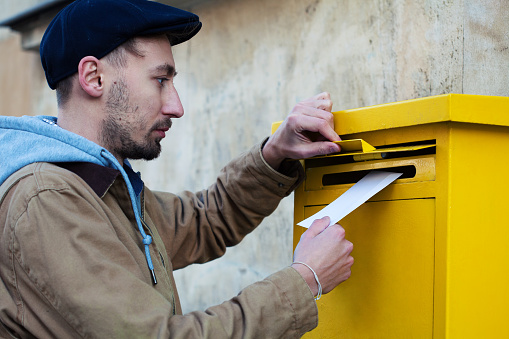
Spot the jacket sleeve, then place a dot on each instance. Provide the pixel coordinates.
(198, 227)
(280, 306)
(78, 280)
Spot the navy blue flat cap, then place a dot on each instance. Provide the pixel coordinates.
(97, 27)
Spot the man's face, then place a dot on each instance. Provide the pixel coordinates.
(141, 101)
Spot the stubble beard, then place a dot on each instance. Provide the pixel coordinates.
(117, 132)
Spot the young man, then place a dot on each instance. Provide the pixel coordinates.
(87, 251)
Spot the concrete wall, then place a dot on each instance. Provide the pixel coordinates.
(23, 89)
(254, 59)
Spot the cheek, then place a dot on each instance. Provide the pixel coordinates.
(150, 101)
(153, 107)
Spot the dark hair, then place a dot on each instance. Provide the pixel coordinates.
(64, 89)
(117, 58)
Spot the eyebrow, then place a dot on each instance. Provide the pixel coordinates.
(169, 69)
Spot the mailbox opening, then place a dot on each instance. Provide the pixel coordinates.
(343, 178)
(387, 152)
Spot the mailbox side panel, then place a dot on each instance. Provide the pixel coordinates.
(478, 235)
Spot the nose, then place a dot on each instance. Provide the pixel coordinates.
(171, 103)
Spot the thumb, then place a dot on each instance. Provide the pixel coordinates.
(318, 226)
(320, 148)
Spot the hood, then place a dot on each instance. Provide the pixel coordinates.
(26, 140)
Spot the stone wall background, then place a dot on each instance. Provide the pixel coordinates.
(254, 59)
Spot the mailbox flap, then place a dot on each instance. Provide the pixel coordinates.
(355, 146)
(358, 147)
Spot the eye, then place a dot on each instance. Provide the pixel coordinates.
(162, 81)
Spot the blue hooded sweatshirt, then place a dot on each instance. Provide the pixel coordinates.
(27, 140)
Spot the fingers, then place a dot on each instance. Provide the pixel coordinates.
(324, 105)
(326, 249)
(319, 109)
(318, 226)
(339, 268)
(320, 96)
(339, 233)
(302, 110)
(313, 136)
(309, 123)
(321, 102)
(308, 131)
(318, 148)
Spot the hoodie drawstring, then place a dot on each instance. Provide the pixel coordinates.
(147, 239)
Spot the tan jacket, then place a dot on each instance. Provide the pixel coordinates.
(72, 263)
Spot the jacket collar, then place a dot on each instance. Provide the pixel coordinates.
(99, 178)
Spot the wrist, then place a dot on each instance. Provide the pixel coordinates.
(270, 155)
(309, 277)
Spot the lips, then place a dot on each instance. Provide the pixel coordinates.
(161, 132)
(161, 128)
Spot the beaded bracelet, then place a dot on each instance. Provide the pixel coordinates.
(319, 294)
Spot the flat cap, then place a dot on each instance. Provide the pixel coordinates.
(97, 27)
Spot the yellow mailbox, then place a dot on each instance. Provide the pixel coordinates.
(432, 249)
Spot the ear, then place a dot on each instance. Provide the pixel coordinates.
(91, 80)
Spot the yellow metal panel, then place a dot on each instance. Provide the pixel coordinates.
(393, 191)
(392, 115)
(486, 110)
(448, 107)
(478, 241)
(390, 293)
(361, 148)
(354, 145)
(424, 166)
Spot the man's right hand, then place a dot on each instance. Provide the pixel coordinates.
(326, 250)
(307, 131)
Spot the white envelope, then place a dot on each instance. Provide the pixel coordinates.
(368, 186)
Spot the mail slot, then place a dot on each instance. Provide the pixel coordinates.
(432, 249)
